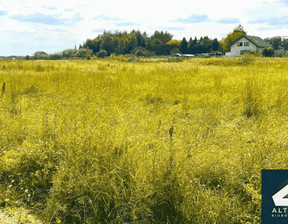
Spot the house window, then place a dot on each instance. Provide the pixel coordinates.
(246, 43)
(240, 44)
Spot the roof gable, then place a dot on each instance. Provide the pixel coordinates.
(259, 42)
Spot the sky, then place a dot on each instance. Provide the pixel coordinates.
(27, 26)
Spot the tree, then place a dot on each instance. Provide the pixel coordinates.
(215, 45)
(268, 52)
(193, 46)
(41, 55)
(205, 45)
(108, 44)
(275, 42)
(93, 45)
(84, 53)
(173, 46)
(56, 56)
(184, 46)
(239, 29)
(231, 37)
(164, 37)
(158, 47)
(285, 44)
(141, 38)
(132, 44)
(121, 46)
(69, 53)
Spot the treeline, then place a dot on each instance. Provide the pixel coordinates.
(278, 43)
(134, 42)
(65, 54)
(140, 44)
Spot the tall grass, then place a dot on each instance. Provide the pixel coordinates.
(141, 142)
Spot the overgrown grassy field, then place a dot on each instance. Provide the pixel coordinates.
(153, 141)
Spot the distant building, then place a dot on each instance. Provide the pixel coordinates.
(246, 44)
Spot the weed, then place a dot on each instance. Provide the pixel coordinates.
(3, 89)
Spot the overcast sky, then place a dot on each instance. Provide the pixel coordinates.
(27, 26)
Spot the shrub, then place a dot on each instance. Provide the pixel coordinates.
(268, 52)
(56, 56)
(139, 53)
(246, 59)
(251, 102)
(102, 54)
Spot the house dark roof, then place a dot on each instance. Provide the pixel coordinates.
(259, 42)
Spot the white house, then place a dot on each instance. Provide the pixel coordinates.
(246, 44)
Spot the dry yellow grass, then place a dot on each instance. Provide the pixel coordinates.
(154, 141)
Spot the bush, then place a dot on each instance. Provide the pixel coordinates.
(139, 53)
(102, 54)
(246, 59)
(268, 52)
(41, 55)
(56, 56)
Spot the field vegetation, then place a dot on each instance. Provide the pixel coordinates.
(141, 141)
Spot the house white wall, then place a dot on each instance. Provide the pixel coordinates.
(241, 45)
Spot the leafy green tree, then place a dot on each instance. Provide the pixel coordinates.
(93, 45)
(193, 46)
(121, 46)
(276, 42)
(173, 46)
(231, 37)
(205, 45)
(285, 44)
(108, 44)
(141, 38)
(164, 37)
(132, 44)
(158, 47)
(115, 43)
(239, 29)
